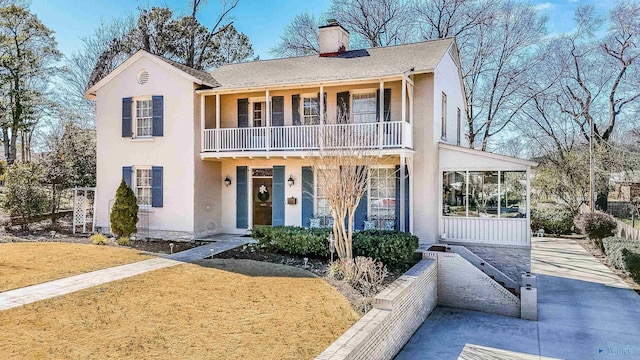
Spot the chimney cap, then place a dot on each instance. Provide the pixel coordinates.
(332, 23)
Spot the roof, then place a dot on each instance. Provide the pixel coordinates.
(197, 76)
(203, 76)
(351, 65)
(487, 154)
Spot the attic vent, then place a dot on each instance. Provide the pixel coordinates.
(143, 77)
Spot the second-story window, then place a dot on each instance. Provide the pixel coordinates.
(311, 111)
(258, 114)
(144, 120)
(364, 107)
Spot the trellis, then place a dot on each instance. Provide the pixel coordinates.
(81, 206)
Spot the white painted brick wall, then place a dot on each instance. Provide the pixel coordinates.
(398, 312)
(462, 285)
(512, 261)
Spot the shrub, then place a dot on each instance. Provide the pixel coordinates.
(293, 240)
(25, 197)
(99, 239)
(393, 248)
(624, 255)
(124, 214)
(596, 225)
(123, 241)
(553, 221)
(362, 273)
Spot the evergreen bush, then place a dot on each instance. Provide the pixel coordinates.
(624, 254)
(124, 214)
(552, 221)
(596, 225)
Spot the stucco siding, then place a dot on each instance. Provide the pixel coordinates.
(173, 151)
(447, 81)
(425, 169)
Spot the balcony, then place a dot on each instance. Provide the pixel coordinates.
(366, 136)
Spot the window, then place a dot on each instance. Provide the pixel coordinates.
(364, 107)
(143, 186)
(311, 111)
(382, 195)
(258, 114)
(143, 121)
(322, 207)
(454, 200)
(486, 194)
(443, 124)
(458, 136)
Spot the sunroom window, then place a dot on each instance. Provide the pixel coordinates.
(485, 194)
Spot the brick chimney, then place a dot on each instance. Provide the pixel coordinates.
(334, 39)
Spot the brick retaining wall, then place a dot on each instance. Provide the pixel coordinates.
(397, 313)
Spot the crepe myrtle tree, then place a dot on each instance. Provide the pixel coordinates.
(342, 167)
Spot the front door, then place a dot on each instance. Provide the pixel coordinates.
(262, 201)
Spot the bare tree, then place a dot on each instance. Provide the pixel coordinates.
(300, 37)
(374, 22)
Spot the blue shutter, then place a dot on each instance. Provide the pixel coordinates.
(342, 116)
(387, 105)
(126, 175)
(406, 198)
(307, 195)
(277, 111)
(277, 189)
(362, 209)
(157, 106)
(156, 186)
(295, 109)
(243, 113)
(242, 199)
(126, 117)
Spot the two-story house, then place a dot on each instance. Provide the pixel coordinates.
(225, 151)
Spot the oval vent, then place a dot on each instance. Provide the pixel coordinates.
(143, 77)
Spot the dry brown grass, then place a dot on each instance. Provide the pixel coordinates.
(216, 309)
(29, 263)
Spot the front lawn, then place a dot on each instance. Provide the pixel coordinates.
(28, 263)
(215, 309)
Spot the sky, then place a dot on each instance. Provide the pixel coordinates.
(261, 20)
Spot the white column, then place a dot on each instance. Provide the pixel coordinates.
(499, 193)
(404, 100)
(267, 137)
(322, 105)
(410, 167)
(202, 119)
(402, 191)
(381, 120)
(218, 133)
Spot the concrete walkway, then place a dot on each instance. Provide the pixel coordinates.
(585, 312)
(26, 295)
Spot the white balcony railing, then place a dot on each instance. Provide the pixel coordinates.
(392, 134)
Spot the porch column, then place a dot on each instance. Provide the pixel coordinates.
(411, 215)
(404, 100)
(202, 120)
(402, 191)
(218, 135)
(381, 120)
(322, 105)
(267, 137)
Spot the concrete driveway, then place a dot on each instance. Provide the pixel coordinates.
(585, 312)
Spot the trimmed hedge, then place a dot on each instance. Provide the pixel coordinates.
(553, 221)
(624, 254)
(394, 249)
